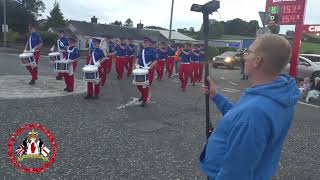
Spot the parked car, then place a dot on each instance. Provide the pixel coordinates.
(228, 59)
(308, 66)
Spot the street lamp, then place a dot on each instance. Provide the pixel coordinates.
(206, 10)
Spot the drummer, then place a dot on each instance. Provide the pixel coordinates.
(97, 57)
(62, 44)
(146, 59)
(73, 54)
(111, 53)
(34, 45)
(185, 66)
(121, 59)
(130, 53)
(161, 56)
(104, 46)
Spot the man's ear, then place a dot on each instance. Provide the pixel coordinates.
(258, 62)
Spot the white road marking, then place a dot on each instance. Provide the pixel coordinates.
(308, 104)
(222, 77)
(233, 83)
(134, 102)
(230, 89)
(17, 87)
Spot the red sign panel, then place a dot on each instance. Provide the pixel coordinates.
(314, 28)
(286, 12)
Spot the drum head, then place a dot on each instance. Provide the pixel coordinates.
(140, 72)
(25, 55)
(90, 68)
(54, 54)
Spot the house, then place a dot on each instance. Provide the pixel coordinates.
(85, 30)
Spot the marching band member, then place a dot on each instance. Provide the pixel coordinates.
(96, 57)
(90, 50)
(111, 54)
(121, 60)
(62, 44)
(185, 66)
(34, 44)
(154, 50)
(146, 59)
(195, 57)
(104, 46)
(73, 54)
(161, 57)
(130, 53)
(202, 61)
(171, 50)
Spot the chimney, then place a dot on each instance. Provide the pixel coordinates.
(94, 20)
(140, 26)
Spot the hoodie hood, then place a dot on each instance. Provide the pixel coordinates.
(283, 90)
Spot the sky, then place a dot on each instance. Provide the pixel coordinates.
(157, 12)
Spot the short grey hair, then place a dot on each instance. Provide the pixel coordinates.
(276, 50)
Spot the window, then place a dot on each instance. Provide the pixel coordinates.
(312, 58)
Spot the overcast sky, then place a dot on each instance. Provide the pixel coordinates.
(157, 12)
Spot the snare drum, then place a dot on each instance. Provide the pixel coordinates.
(140, 77)
(62, 66)
(27, 59)
(91, 73)
(55, 56)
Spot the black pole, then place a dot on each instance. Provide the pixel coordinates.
(206, 71)
(171, 20)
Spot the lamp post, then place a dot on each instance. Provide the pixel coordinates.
(206, 10)
(4, 27)
(170, 29)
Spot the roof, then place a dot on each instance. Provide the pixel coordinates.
(176, 35)
(67, 32)
(98, 30)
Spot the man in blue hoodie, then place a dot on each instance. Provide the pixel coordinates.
(247, 141)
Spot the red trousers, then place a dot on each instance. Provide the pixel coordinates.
(94, 87)
(104, 67)
(88, 58)
(34, 70)
(170, 65)
(195, 72)
(109, 63)
(129, 65)
(184, 73)
(69, 79)
(121, 61)
(200, 72)
(160, 68)
(144, 91)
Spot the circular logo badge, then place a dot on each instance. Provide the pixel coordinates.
(29, 150)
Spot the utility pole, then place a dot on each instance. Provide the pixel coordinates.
(4, 24)
(171, 20)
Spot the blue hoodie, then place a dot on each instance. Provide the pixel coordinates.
(246, 143)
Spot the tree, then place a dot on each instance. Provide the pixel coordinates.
(117, 23)
(216, 30)
(253, 26)
(128, 23)
(18, 17)
(156, 27)
(36, 7)
(56, 17)
(191, 29)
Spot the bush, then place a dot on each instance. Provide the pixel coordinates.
(225, 49)
(212, 52)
